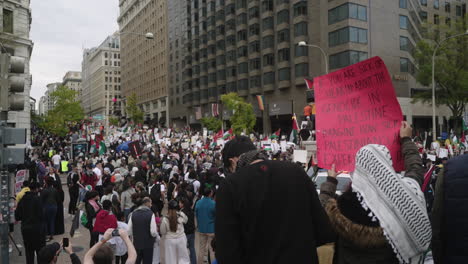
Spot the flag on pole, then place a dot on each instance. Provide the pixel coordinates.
(198, 113)
(102, 148)
(215, 109)
(276, 134)
(227, 134)
(261, 102)
(295, 131)
(309, 84)
(218, 135)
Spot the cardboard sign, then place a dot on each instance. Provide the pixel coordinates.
(356, 106)
(184, 145)
(300, 155)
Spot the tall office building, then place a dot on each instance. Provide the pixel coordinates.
(41, 107)
(178, 24)
(144, 61)
(15, 25)
(101, 79)
(72, 80)
(250, 47)
(49, 101)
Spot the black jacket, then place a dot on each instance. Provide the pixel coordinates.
(29, 212)
(269, 212)
(189, 227)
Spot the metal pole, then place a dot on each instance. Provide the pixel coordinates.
(434, 131)
(107, 111)
(324, 55)
(4, 204)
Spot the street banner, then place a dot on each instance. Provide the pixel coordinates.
(356, 106)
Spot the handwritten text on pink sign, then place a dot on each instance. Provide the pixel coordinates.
(356, 106)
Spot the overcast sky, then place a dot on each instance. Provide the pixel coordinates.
(60, 30)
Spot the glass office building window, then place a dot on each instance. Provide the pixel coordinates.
(254, 46)
(345, 11)
(269, 59)
(346, 58)
(436, 4)
(404, 22)
(300, 8)
(231, 24)
(268, 78)
(254, 30)
(242, 35)
(242, 19)
(255, 81)
(282, 17)
(221, 75)
(423, 2)
(447, 7)
(423, 15)
(242, 52)
(404, 4)
(243, 84)
(231, 87)
(283, 35)
(231, 71)
(267, 5)
(301, 69)
(268, 42)
(300, 29)
(300, 51)
(254, 12)
(406, 66)
(254, 64)
(230, 9)
(241, 3)
(267, 23)
(243, 68)
(347, 34)
(284, 74)
(436, 19)
(404, 43)
(283, 54)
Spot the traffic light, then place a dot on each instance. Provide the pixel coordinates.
(9, 137)
(11, 82)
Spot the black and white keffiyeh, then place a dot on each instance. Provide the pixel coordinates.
(396, 201)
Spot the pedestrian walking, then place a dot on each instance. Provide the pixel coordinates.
(50, 198)
(126, 202)
(142, 226)
(92, 207)
(30, 212)
(174, 239)
(205, 213)
(189, 227)
(73, 179)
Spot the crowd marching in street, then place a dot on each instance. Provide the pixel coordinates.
(148, 195)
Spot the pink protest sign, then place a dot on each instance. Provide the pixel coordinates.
(356, 106)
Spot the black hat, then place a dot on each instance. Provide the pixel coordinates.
(236, 147)
(47, 253)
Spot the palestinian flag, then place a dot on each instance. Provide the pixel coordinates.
(102, 148)
(276, 135)
(228, 134)
(293, 137)
(218, 135)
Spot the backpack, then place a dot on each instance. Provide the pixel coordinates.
(155, 193)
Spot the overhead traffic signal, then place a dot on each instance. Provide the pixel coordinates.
(11, 83)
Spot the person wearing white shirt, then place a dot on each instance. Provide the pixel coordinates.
(142, 225)
(98, 171)
(56, 161)
(174, 239)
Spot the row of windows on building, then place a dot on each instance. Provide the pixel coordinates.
(346, 11)
(109, 79)
(109, 63)
(436, 5)
(284, 74)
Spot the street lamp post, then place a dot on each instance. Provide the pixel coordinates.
(148, 36)
(325, 56)
(434, 136)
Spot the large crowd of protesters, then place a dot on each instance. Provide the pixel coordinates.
(145, 194)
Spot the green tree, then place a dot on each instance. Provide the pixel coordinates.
(114, 121)
(211, 123)
(451, 67)
(134, 112)
(243, 119)
(67, 110)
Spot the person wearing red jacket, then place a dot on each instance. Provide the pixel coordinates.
(105, 219)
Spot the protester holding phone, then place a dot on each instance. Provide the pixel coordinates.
(50, 253)
(101, 252)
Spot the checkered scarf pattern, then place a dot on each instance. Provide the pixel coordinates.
(396, 201)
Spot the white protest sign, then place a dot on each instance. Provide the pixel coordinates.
(184, 145)
(220, 142)
(443, 153)
(283, 146)
(431, 157)
(300, 155)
